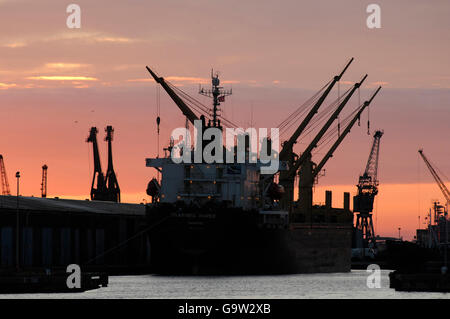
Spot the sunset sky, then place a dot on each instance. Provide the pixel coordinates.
(56, 82)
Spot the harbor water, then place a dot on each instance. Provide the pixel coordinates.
(303, 286)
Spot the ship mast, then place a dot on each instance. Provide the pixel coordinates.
(218, 94)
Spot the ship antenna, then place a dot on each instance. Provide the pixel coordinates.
(218, 94)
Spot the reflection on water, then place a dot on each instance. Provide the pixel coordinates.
(337, 285)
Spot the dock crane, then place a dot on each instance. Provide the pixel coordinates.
(44, 181)
(438, 209)
(185, 109)
(4, 178)
(99, 192)
(344, 134)
(436, 177)
(112, 185)
(286, 150)
(367, 190)
(190, 115)
(304, 161)
(287, 153)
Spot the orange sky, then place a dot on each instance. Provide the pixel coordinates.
(55, 83)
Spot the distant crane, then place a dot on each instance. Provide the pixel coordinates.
(4, 178)
(44, 181)
(367, 190)
(107, 187)
(99, 192)
(436, 177)
(111, 180)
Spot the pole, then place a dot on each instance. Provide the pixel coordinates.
(17, 226)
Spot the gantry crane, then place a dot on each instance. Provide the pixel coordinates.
(367, 190)
(112, 185)
(44, 181)
(4, 178)
(436, 177)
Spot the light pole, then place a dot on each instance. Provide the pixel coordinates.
(399, 233)
(17, 226)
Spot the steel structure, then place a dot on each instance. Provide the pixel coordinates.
(367, 190)
(44, 181)
(436, 177)
(98, 187)
(4, 178)
(111, 182)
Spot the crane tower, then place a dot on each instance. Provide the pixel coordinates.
(4, 178)
(44, 181)
(367, 190)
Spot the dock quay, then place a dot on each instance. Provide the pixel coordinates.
(52, 233)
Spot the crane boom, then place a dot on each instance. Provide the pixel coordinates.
(367, 190)
(313, 144)
(372, 163)
(178, 101)
(343, 135)
(436, 177)
(287, 147)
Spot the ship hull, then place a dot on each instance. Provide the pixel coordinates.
(235, 242)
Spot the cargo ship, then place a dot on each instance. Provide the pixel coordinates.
(231, 217)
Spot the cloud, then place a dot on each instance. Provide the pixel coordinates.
(379, 83)
(5, 86)
(115, 39)
(141, 80)
(230, 82)
(178, 79)
(65, 65)
(89, 37)
(62, 78)
(14, 45)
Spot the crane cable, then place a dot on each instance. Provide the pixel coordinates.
(158, 122)
(292, 118)
(158, 115)
(319, 119)
(339, 99)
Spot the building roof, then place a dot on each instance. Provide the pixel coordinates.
(70, 205)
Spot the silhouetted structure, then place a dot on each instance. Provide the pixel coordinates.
(44, 181)
(107, 188)
(367, 190)
(112, 185)
(4, 178)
